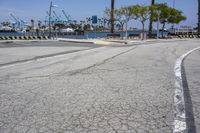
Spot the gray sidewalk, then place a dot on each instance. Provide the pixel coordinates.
(192, 69)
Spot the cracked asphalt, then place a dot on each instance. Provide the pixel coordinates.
(19, 51)
(111, 89)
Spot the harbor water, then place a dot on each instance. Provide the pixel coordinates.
(86, 35)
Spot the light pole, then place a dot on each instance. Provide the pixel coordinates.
(158, 20)
(50, 19)
(50, 8)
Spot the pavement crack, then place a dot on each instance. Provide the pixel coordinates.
(75, 72)
(40, 57)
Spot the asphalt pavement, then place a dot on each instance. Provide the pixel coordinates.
(23, 51)
(114, 88)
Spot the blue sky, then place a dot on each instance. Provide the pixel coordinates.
(80, 9)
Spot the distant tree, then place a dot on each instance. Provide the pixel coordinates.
(167, 15)
(32, 24)
(86, 27)
(73, 26)
(39, 24)
(6, 23)
(88, 20)
(107, 13)
(121, 14)
(120, 17)
(59, 26)
(43, 27)
(82, 22)
(176, 16)
(104, 22)
(141, 13)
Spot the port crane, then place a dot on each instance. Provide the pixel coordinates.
(20, 23)
(58, 20)
(66, 16)
(53, 17)
(17, 22)
(56, 15)
(47, 13)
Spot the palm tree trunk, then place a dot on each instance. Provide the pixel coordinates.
(143, 31)
(199, 16)
(122, 26)
(163, 27)
(151, 20)
(112, 15)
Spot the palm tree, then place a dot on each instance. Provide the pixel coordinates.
(112, 15)
(199, 16)
(151, 19)
(39, 24)
(32, 24)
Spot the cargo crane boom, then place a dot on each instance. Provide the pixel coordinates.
(66, 16)
(14, 17)
(47, 13)
(17, 20)
(56, 15)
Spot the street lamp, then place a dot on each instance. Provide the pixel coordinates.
(50, 8)
(158, 21)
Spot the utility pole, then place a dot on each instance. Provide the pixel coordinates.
(50, 8)
(112, 15)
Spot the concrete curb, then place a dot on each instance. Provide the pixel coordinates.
(98, 42)
(180, 124)
(74, 40)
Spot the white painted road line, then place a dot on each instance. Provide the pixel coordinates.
(180, 114)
